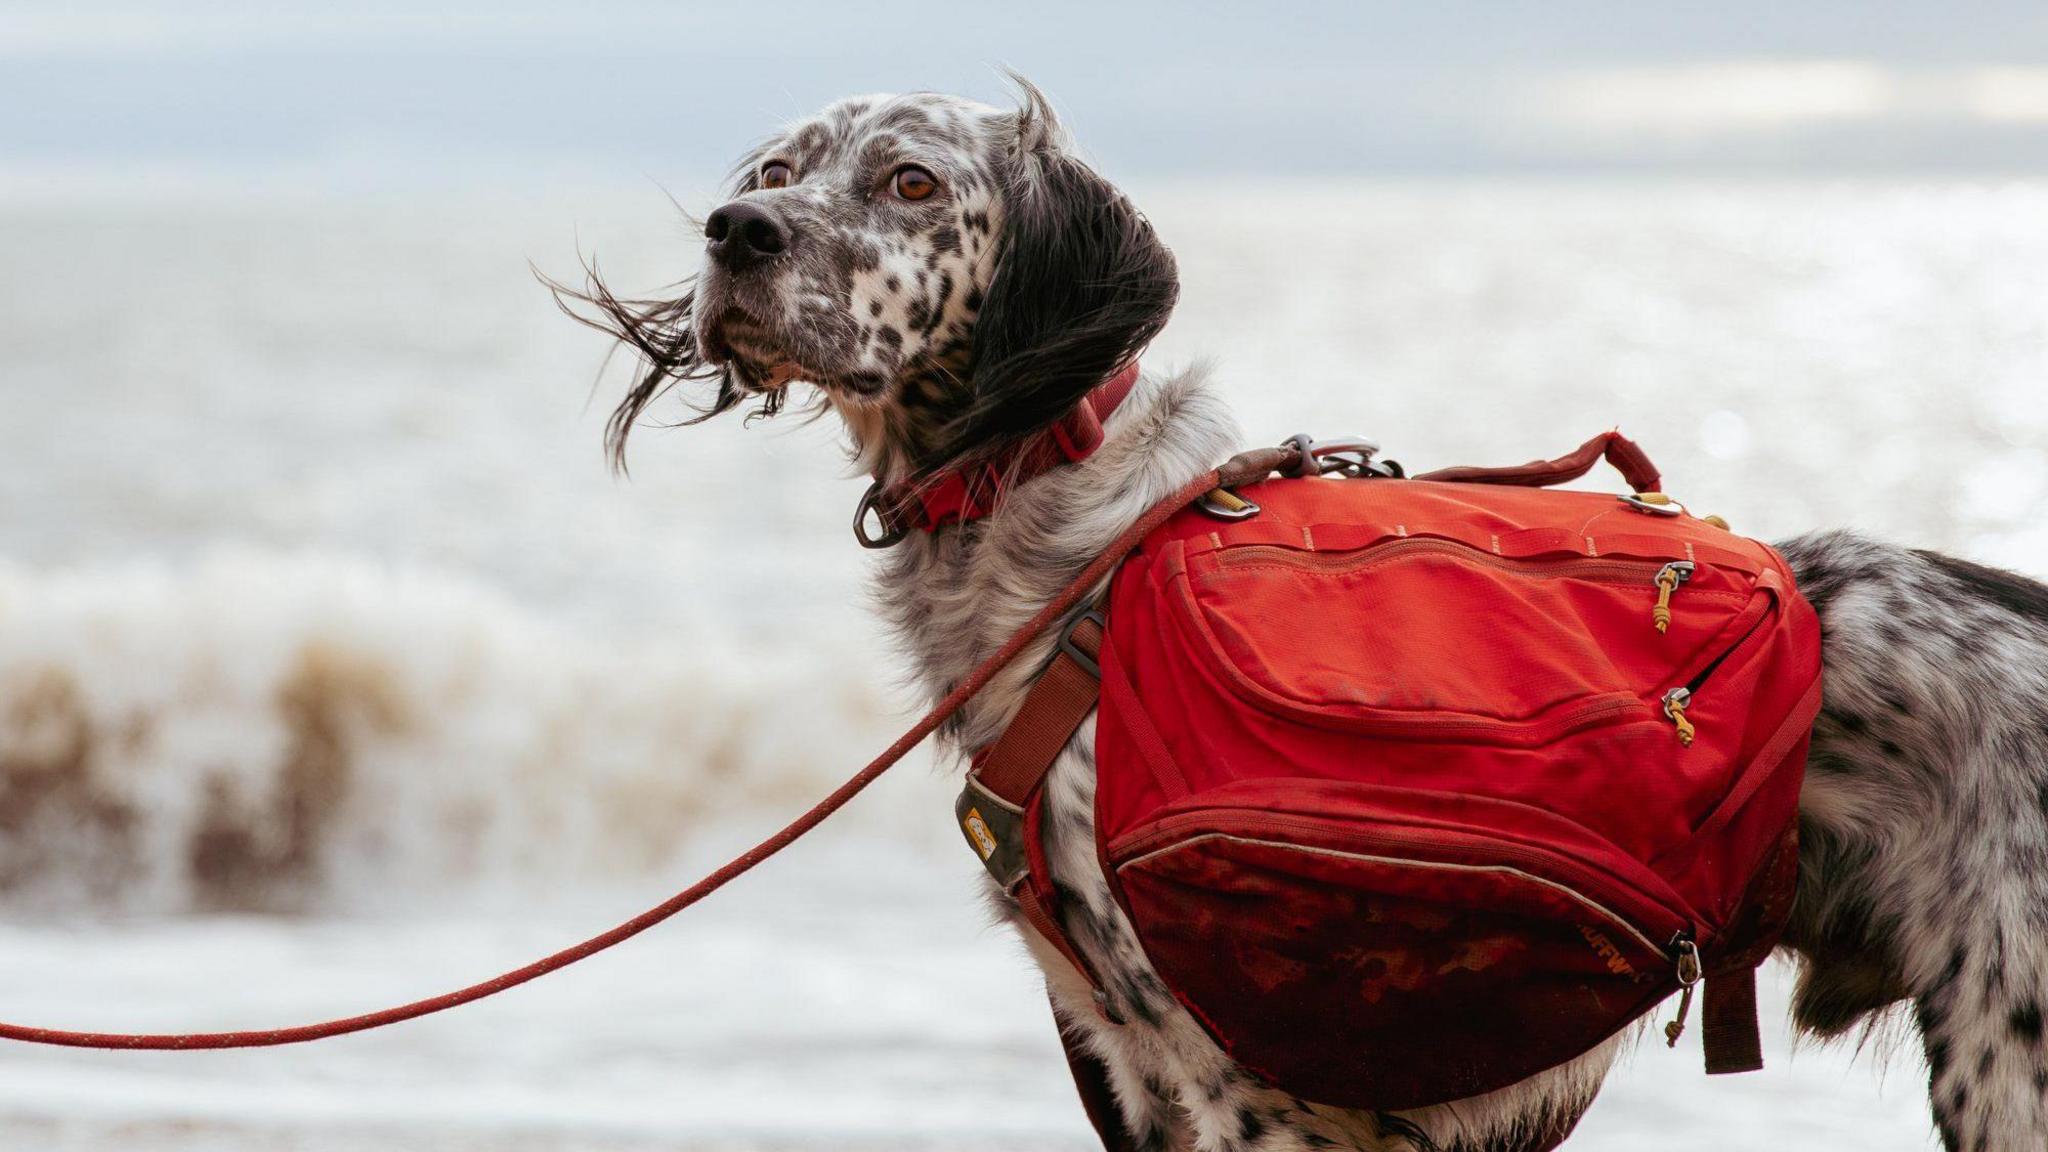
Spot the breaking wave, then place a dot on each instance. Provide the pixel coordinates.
(272, 733)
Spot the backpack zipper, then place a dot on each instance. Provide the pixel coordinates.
(1678, 699)
(1620, 571)
(1505, 852)
(1688, 963)
(1665, 577)
(1172, 834)
(1668, 578)
(1674, 710)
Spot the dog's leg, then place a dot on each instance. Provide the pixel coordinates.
(1142, 1098)
(1924, 867)
(1986, 1075)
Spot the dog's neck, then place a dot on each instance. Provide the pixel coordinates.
(955, 595)
(895, 438)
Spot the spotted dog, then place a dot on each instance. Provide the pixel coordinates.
(949, 278)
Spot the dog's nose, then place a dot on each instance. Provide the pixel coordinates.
(743, 233)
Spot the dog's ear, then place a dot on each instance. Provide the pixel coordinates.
(1081, 286)
(660, 332)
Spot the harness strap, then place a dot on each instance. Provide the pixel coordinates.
(1729, 1035)
(1013, 767)
(1000, 808)
(1728, 1030)
(1039, 900)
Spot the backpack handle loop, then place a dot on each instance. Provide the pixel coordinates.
(1620, 451)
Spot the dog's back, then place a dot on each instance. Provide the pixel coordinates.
(1924, 824)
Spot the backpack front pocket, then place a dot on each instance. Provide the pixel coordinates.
(1551, 645)
(1317, 948)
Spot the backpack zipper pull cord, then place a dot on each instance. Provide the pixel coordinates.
(1688, 975)
(1674, 707)
(1669, 577)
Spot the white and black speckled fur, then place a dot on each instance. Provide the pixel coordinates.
(1924, 862)
(1924, 858)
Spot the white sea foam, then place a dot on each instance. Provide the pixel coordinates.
(258, 730)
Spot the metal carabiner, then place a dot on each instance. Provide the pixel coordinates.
(1351, 456)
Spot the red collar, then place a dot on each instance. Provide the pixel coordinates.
(957, 495)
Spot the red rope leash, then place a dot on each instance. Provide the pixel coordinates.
(729, 872)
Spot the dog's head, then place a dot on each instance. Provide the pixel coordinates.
(948, 276)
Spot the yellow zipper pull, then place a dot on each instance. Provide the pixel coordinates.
(1674, 707)
(1688, 975)
(1669, 577)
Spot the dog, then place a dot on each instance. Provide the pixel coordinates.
(949, 279)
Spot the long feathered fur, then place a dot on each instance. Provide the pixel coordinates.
(660, 334)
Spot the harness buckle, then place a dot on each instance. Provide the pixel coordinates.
(994, 829)
(871, 505)
(1088, 663)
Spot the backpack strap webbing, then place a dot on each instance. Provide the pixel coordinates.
(998, 809)
(1728, 1029)
(1728, 1033)
(999, 813)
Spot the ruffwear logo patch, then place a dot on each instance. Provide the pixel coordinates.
(978, 833)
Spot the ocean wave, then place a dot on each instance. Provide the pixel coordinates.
(256, 731)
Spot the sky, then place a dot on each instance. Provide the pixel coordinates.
(390, 93)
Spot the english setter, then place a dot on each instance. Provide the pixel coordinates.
(949, 278)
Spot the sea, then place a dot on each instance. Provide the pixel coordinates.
(337, 667)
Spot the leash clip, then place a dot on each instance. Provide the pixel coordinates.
(1349, 456)
(871, 505)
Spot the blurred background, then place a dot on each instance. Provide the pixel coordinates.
(336, 669)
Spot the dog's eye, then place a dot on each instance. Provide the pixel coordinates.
(775, 175)
(912, 183)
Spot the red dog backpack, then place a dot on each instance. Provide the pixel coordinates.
(1414, 788)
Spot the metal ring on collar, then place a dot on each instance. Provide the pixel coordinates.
(870, 504)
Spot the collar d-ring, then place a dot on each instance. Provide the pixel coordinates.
(871, 506)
